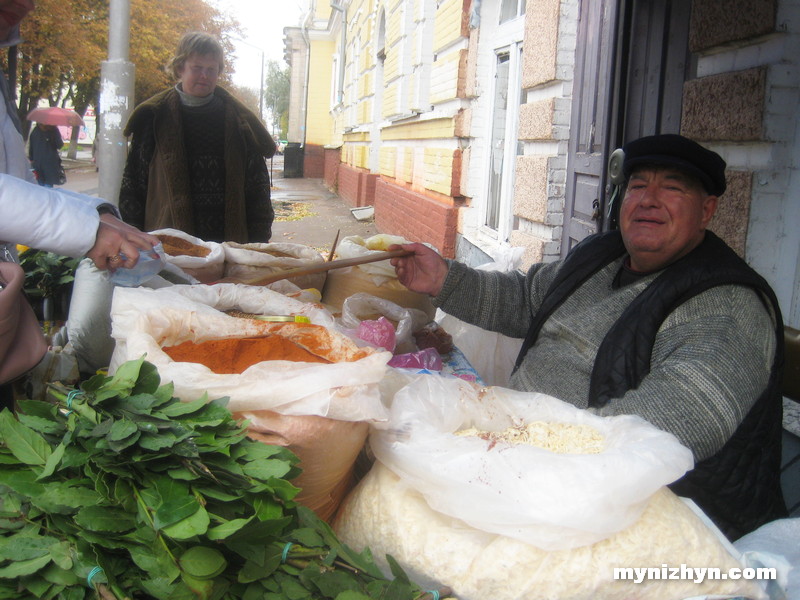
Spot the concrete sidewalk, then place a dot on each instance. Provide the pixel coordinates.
(306, 212)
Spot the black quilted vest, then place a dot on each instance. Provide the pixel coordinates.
(738, 487)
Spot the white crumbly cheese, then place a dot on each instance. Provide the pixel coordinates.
(561, 438)
(389, 517)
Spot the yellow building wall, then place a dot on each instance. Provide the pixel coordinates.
(439, 170)
(364, 111)
(419, 153)
(448, 23)
(319, 122)
(322, 9)
(390, 99)
(362, 157)
(421, 130)
(391, 66)
(444, 78)
(388, 161)
(394, 14)
(405, 162)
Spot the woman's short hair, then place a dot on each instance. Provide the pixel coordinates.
(198, 43)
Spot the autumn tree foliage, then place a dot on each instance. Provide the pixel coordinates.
(276, 95)
(61, 53)
(65, 44)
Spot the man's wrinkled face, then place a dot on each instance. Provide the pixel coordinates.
(199, 75)
(11, 13)
(663, 216)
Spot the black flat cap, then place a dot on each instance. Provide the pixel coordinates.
(672, 150)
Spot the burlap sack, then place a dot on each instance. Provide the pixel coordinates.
(327, 449)
(343, 283)
(377, 278)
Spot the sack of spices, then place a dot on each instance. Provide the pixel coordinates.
(327, 449)
(205, 261)
(250, 261)
(342, 385)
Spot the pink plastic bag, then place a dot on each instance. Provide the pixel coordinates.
(379, 333)
(428, 358)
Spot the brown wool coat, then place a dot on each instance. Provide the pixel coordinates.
(168, 203)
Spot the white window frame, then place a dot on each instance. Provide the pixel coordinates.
(505, 217)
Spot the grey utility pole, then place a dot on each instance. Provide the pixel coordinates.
(116, 102)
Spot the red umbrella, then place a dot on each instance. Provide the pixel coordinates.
(55, 115)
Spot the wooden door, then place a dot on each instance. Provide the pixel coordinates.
(591, 109)
(653, 61)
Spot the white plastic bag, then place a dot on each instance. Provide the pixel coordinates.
(362, 307)
(775, 545)
(355, 246)
(552, 501)
(491, 354)
(89, 321)
(145, 320)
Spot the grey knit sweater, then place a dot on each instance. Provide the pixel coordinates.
(710, 362)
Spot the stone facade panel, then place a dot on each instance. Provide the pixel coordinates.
(733, 211)
(534, 248)
(725, 107)
(530, 188)
(714, 23)
(541, 42)
(536, 120)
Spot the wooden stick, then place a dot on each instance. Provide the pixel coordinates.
(333, 246)
(319, 267)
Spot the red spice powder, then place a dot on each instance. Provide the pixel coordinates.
(231, 356)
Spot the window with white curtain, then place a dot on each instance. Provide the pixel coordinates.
(511, 9)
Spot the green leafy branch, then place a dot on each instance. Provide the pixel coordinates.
(123, 491)
(46, 273)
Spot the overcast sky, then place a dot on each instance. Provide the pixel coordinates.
(262, 23)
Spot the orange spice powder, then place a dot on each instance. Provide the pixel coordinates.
(175, 246)
(231, 356)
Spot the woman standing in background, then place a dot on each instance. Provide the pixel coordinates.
(43, 151)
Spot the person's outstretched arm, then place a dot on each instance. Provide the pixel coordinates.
(423, 272)
(67, 224)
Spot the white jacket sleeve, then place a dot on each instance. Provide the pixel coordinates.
(47, 219)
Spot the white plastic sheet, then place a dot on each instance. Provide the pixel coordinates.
(491, 354)
(552, 501)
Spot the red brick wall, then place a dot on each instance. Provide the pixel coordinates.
(416, 217)
(357, 186)
(331, 176)
(366, 196)
(313, 161)
(349, 181)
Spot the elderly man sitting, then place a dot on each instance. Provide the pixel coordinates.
(660, 319)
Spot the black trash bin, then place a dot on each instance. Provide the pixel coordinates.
(293, 160)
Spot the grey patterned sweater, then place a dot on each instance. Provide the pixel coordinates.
(711, 359)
